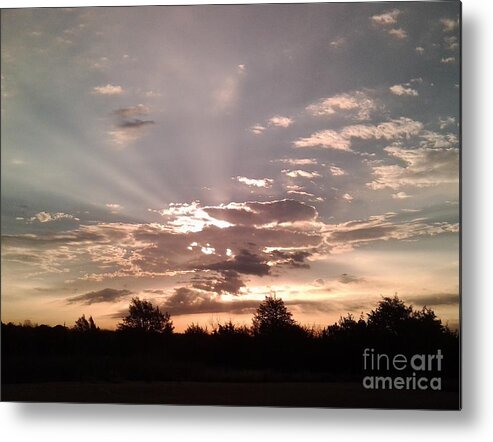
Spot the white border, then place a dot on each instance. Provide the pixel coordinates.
(62, 422)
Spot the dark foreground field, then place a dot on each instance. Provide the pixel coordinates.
(290, 394)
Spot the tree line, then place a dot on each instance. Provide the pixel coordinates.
(274, 347)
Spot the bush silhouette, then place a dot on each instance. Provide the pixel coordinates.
(83, 325)
(144, 317)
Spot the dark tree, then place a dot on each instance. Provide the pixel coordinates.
(230, 329)
(391, 316)
(272, 318)
(143, 316)
(84, 326)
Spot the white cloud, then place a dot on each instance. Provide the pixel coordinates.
(451, 43)
(347, 197)
(301, 174)
(447, 121)
(398, 33)
(251, 182)
(420, 50)
(46, 217)
(109, 89)
(257, 129)
(424, 167)
(355, 103)
(298, 161)
(400, 89)
(341, 140)
(280, 121)
(400, 196)
(336, 171)
(326, 138)
(386, 18)
(114, 207)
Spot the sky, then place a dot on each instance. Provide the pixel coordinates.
(204, 157)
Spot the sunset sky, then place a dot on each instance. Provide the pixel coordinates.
(203, 157)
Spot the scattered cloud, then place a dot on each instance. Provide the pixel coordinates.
(400, 89)
(399, 33)
(251, 182)
(420, 50)
(423, 167)
(301, 174)
(336, 171)
(347, 197)
(387, 18)
(280, 121)
(257, 129)
(448, 60)
(132, 111)
(356, 104)
(109, 89)
(400, 196)
(390, 130)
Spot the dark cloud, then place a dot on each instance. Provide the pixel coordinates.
(433, 300)
(189, 301)
(104, 295)
(228, 281)
(134, 124)
(345, 278)
(291, 259)
(245, 262)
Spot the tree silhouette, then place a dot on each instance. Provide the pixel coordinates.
(143, 316)
(272, 318)
(391, 316)
(196, 330)
(85, 326)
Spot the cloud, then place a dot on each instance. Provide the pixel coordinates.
(386, 18)
(336, 171)
(245, 262)
(128, 127)
(261, 214)
(451, 43)
(341, 140)
(298, 161)
(257, 129)
(109, 89)
(115, 208)
(448, 60)
(104, 295)
(434, 300)
(449, 25)
(46, 217)
(280, 121)
(338, 43)
(400, 196)
(399, 33)
(347, 197)
(349, 279)
(420, 50)
(329, 139)
(400, 89)
(423, 167)
(251, 182)
(346, 236)
(357, 104)
(301, 174)
(132, 111)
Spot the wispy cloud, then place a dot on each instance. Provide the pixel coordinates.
(280, 121)
(104, 295)
(398, 33)
(357, 104)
